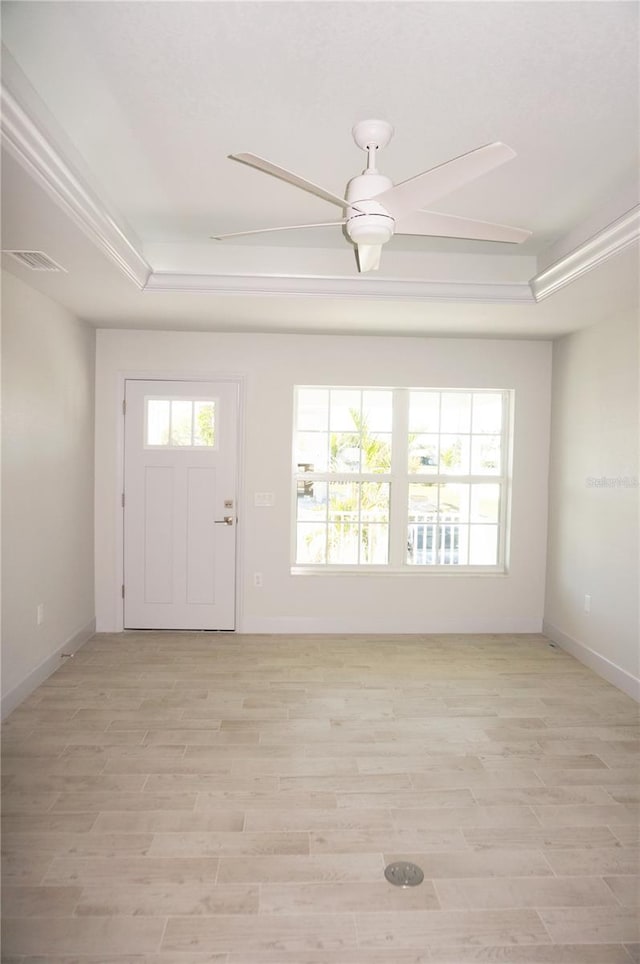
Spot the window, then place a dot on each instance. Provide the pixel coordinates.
(343, 462)
(179, 422)
(402, 479)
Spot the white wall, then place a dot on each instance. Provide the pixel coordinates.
(47, 486)
(593, 528)
(270, 366)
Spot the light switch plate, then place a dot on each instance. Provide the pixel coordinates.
(263, 499)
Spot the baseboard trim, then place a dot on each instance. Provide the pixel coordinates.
(42, 672)
(393, 625)
(604, 667)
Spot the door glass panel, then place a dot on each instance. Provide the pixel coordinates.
(180, 423)
(158, 416)
(204, 423)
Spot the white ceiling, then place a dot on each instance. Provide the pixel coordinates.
(143, 101)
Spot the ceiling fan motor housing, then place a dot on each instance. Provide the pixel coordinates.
(375, 225)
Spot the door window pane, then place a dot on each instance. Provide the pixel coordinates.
(180, 423)
(158, 417)
(204, 423)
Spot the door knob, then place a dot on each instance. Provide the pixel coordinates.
(227, 521)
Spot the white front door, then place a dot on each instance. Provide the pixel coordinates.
(180, 466)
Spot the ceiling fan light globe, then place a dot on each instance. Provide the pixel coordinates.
(372, 229)
(370, 223)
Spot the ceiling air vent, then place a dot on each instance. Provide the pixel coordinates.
(35, 260)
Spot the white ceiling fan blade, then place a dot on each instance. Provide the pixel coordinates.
(423, 189)
(262, 165)
(433, 224)
(369, 256)
(286, 227)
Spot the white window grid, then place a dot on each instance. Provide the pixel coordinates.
(399, 480)
(181, 398)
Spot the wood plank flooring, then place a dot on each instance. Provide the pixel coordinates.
(220, 799)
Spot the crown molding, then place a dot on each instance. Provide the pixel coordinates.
(35, 152)
(604, 245)
(331, 287)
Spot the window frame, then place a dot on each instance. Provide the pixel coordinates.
(169, 447)
(399, 479)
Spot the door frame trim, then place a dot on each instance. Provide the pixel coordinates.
(122, 377)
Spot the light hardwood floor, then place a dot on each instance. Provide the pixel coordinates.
(186, 798)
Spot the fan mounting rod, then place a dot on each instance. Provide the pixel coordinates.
(372, 136)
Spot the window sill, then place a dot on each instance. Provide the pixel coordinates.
(457, 571)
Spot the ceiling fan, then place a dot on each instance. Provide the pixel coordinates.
(375, 209)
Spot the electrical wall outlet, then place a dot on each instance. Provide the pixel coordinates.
(257, 580)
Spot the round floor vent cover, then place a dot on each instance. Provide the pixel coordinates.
(404, 874)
